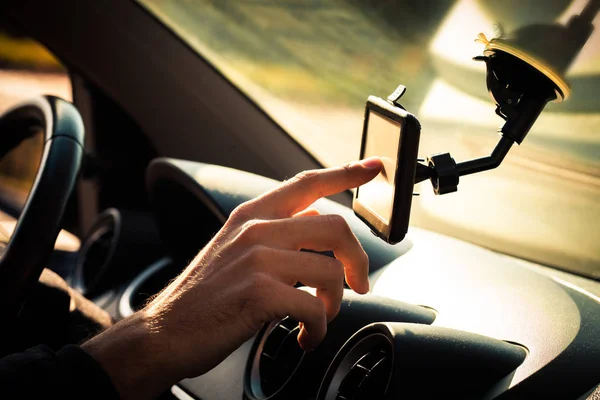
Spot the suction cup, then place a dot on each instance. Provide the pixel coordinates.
(500, 51)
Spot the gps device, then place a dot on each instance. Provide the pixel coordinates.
(392, 133)
(522, 76)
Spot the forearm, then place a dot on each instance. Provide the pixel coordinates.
(134, 356)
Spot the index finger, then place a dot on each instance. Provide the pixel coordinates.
(307, 187)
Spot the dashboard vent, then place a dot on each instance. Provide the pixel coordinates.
(97, 254)
(97, 250)
(280, 356)
(277, 358)
(361, 370)
(368, 377)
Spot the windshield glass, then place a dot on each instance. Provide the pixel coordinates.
(312, 64)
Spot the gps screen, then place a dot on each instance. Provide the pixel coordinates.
(382, 140)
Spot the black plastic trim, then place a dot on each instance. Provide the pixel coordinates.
(429, 362)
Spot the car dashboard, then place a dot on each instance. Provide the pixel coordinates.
(443, 317)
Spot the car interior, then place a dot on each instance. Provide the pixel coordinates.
(131, 129)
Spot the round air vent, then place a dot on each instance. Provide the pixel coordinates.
(363, 373)
(394, 360)
(276, 358)
(119, 244)
(97, 251)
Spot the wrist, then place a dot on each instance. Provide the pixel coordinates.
(134, 357)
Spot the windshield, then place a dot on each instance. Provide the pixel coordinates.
(312, 64)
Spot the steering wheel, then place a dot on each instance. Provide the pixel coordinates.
(32, 241)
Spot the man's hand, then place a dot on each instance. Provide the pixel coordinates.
(241, 280)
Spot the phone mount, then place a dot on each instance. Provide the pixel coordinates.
(524, 73)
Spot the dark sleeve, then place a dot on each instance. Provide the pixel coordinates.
(39, 372)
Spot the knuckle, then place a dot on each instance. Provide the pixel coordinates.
(251, 229)
(337, 222)
(257, 256)
(337, 271)
(319, 306)
(257, 286)
(307, 177)
(241, 212)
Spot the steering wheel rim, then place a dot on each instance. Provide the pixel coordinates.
(38, 226)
